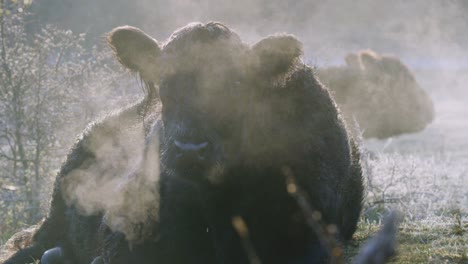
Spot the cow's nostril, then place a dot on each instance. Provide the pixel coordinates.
(190, 146)
(190, 151)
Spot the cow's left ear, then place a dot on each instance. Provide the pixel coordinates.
(370, 60)
(277, 53)
(136, 50)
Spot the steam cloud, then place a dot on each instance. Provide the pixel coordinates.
(122, 182)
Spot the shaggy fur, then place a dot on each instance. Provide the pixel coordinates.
(260, 110)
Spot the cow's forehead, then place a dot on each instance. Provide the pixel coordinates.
(196, 36)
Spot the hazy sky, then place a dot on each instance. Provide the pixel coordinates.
(422, 31)
(428, 35)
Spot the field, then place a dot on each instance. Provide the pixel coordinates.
(423, 176)
(57, 75)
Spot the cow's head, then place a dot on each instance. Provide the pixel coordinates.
(206, 76)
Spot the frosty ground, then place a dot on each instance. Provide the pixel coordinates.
(425, 177)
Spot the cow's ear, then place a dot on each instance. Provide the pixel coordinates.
(135, 50)
(276, 54)
(370, 60)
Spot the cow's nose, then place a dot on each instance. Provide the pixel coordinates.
(190, 151)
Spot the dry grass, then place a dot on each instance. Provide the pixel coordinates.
(421, 241)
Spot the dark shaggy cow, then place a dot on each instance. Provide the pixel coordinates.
(380, 94)
(205, 166)
(235, 119)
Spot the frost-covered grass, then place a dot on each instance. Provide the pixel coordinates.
(425, 177)
(431, 194)
(421, 188)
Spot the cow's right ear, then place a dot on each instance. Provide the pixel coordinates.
(277, 53)
(135, 50)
